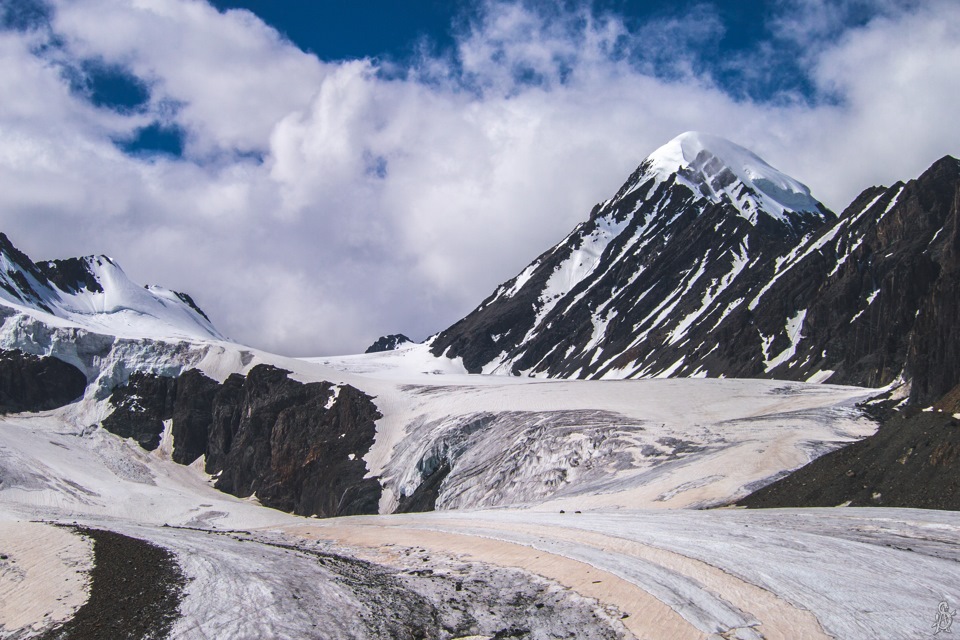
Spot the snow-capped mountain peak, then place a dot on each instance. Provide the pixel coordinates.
(95, 293)
(721, 171)
(651, 269)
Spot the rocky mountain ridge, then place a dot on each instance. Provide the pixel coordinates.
(668, 278)
(390, 342)
(639, 289)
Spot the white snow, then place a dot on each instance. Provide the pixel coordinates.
(333, 398)
(519, 281)
(793, 329)
(801, 573)
(893, 202)
(519, 440)
(774, 192)
(821, 376)
(123, 309)
(411, 359)
(639, 458)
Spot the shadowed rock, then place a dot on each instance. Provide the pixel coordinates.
(298, 447)
(33, 383)
(388, 343)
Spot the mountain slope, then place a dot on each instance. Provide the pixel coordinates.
(94, 293)
(637, 288)
(708, 262)
(912, 461)
(876, 293)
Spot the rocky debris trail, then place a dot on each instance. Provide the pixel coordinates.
(344, 591)
(178, 582)
(135, 591)
(806, 573)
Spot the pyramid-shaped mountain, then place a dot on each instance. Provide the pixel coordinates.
(641, 286)
(709, 262)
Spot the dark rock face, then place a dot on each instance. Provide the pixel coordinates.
(298, 447)
(226, 411)
(71, 275)
(881, 290)
(140, 407)
(425, 496)
(192, 415)
(33, 383)
(388, 343)
(912, 461)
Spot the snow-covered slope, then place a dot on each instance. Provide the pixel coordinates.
(722, 171)
(94, 293)
(255, 572)
(448, 440)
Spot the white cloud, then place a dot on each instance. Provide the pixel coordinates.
(233, 76)
(899, 84)
(392, 202)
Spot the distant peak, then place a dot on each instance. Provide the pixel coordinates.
(391, 342)
(94, 292)
(720, 170)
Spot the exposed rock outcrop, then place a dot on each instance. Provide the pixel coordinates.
(192, 415)
(388, 343)
(298, 447)
(34, 383)
(140, 407)
(71, 275)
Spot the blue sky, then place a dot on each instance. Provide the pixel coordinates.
(317, 174)
(398, 31)
(398, 34)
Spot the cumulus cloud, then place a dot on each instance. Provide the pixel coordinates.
(321, 204)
